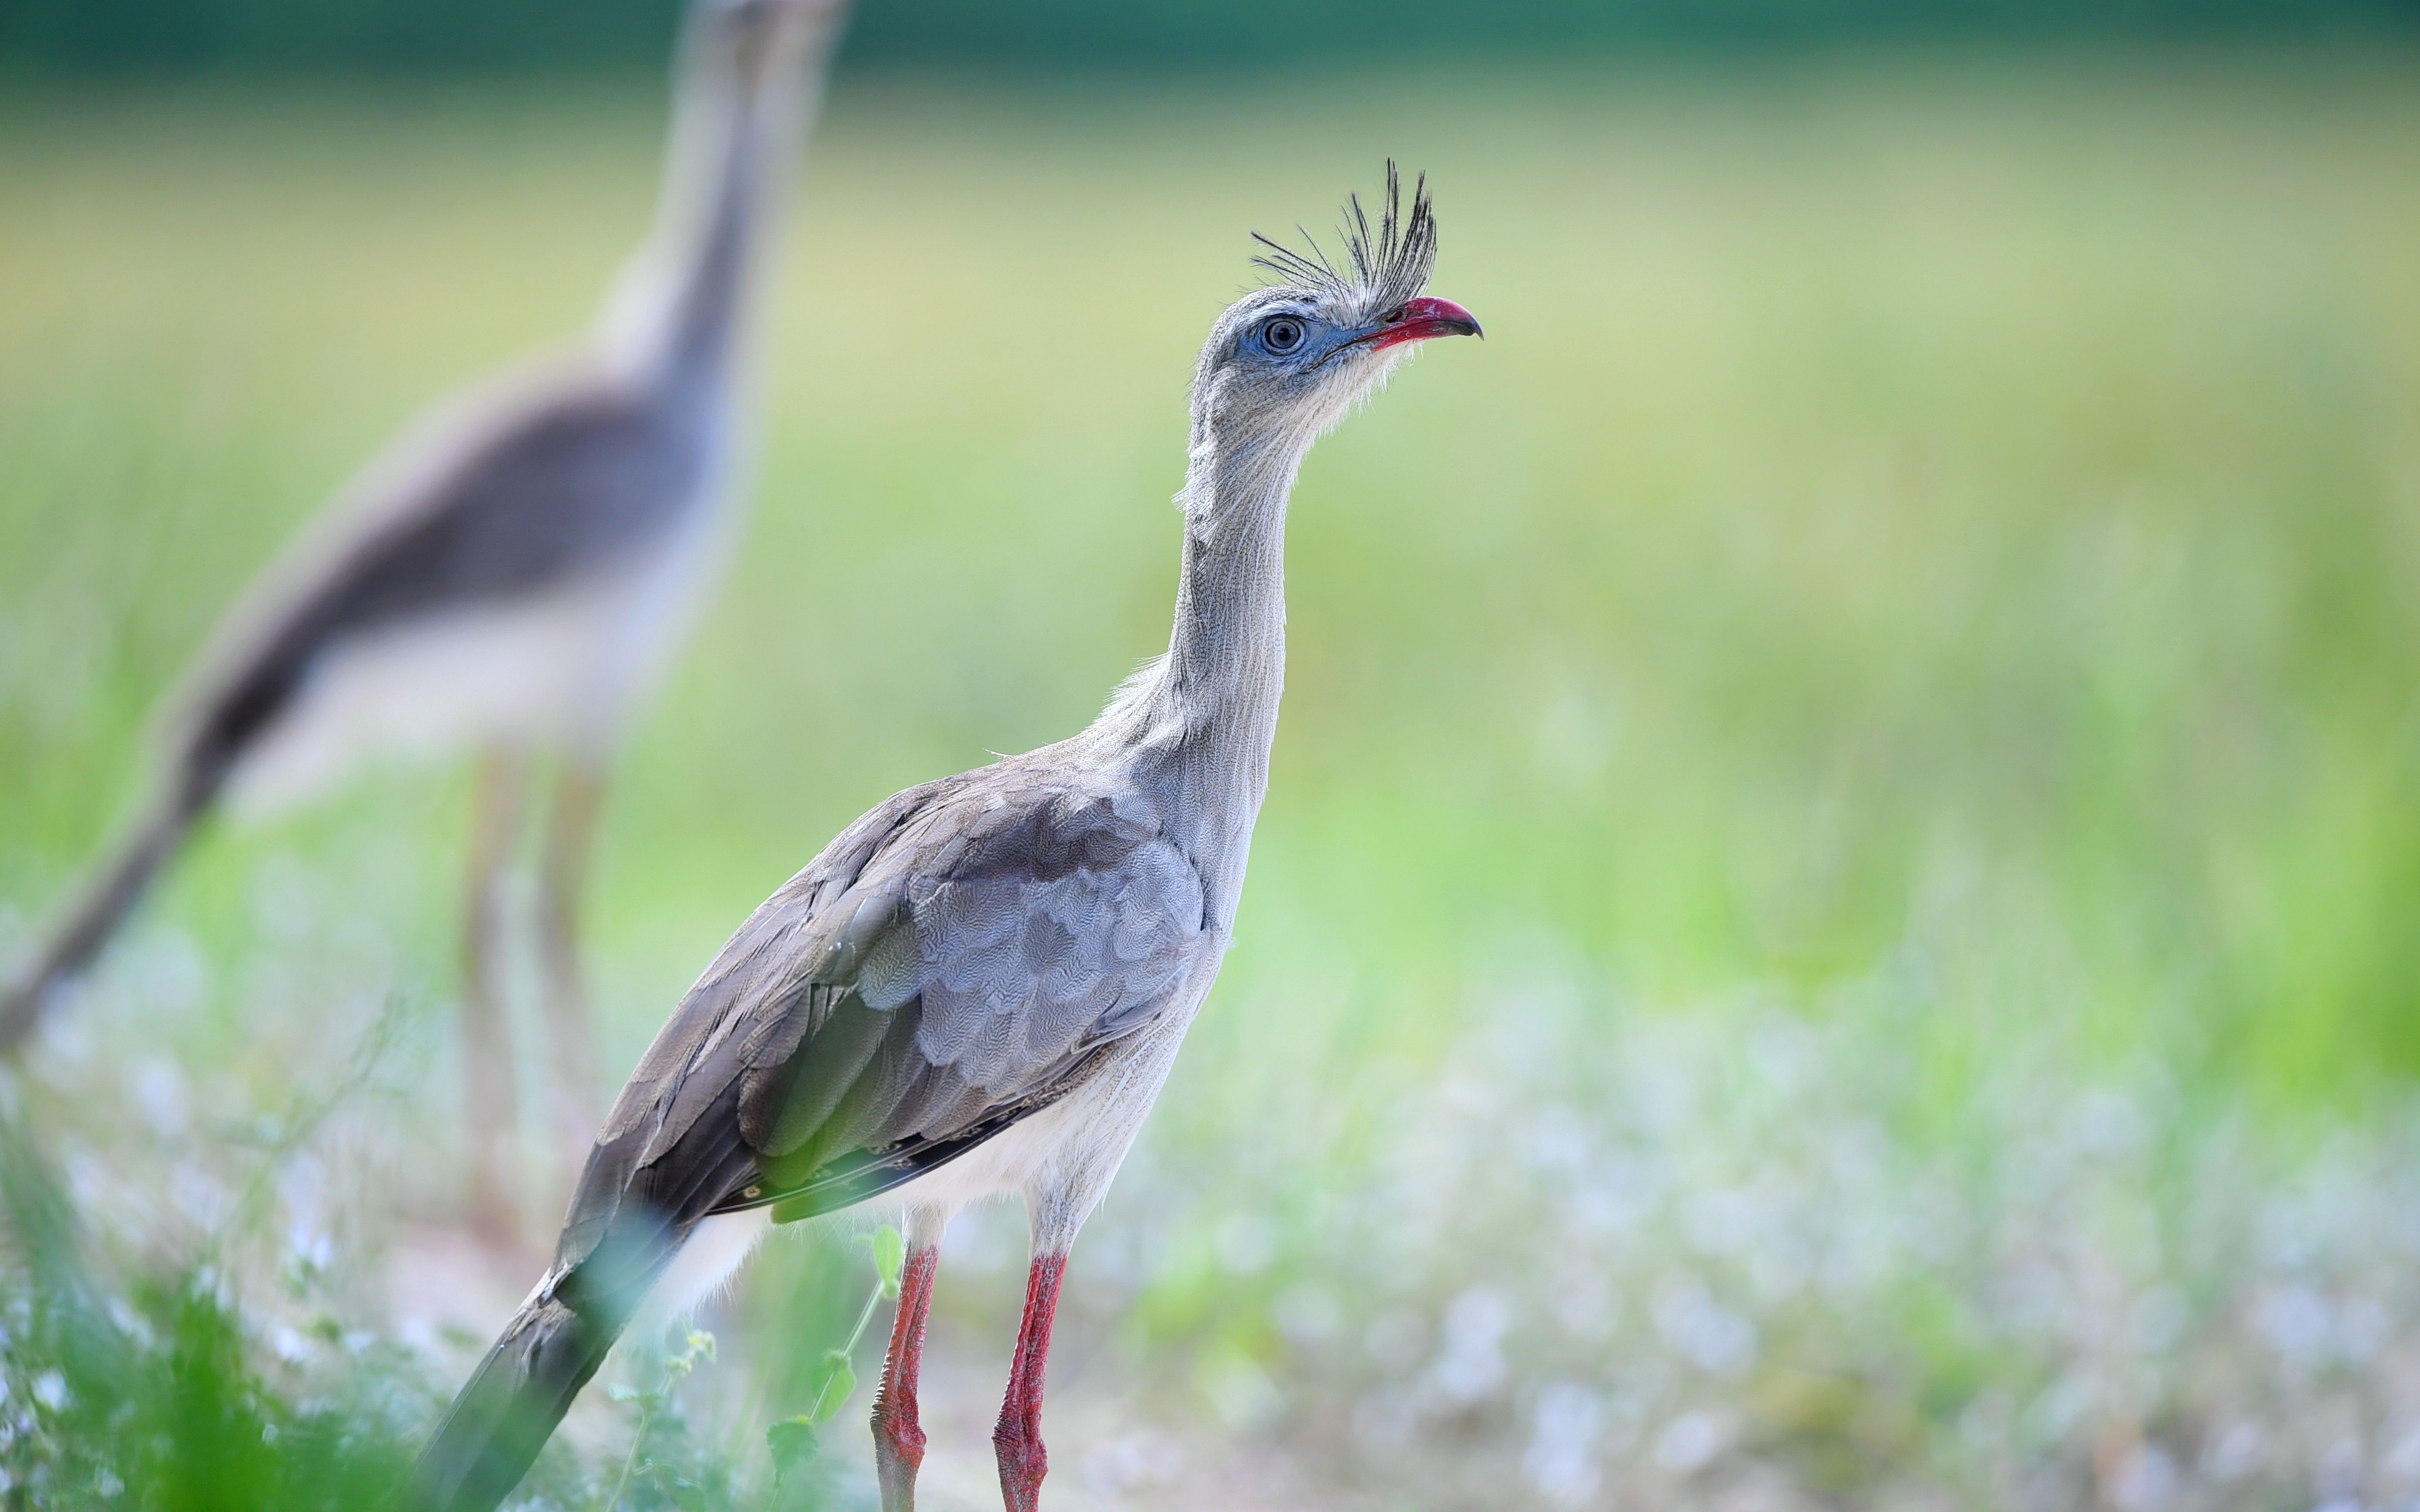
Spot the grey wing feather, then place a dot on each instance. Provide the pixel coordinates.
(1060, 923)
(953, 962)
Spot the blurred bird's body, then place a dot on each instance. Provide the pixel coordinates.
(512, 575)
(980, 986)
(552, 654)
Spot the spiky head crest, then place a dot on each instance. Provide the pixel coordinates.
(1385, 268)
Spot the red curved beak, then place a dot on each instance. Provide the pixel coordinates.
(1422, 319)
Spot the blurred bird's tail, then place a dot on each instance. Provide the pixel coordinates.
(511, 1405)
(109, 892)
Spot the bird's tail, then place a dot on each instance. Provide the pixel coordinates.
(511, 1405)
(109, 892)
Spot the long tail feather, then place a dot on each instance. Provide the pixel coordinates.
(109, 893)
(510, 1406)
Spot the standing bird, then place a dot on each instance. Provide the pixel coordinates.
(511, 576)
(980, 986)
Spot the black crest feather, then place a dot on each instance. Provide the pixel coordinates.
(1385, 267)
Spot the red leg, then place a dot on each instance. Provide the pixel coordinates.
(571, 1028)
(1018, 1436)
(489, 1117)
(898, 1438)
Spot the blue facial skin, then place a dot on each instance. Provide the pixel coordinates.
(1296, 339)
(1283, 337)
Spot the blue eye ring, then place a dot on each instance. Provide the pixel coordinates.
(1283, 334)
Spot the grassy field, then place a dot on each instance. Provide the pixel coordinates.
(1838, 916)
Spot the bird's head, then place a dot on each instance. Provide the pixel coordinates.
(1294, 357)
(752, 42)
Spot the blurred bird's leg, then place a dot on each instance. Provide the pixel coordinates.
(491, 1114)
(570, 1027)
(898, 1436)
(1017, 1438)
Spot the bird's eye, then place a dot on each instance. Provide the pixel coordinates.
(1281, 333)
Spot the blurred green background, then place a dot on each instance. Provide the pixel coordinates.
(1838, 916)
(1054, 35)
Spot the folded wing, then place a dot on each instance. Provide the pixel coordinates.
(948, 966)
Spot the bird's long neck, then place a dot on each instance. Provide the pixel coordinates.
(684, 305)
(1202, 719)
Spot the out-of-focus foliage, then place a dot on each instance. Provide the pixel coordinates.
(161, 1386)
(154, 1395)
(1833, 922)
(489, 34)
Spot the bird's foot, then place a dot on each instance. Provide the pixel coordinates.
(898, 1437)
(898, 1453)
(1023, 1461)
(1018, 1438)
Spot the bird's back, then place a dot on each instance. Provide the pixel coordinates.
(517, 496)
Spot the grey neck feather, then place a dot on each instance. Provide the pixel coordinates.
(1196, 725)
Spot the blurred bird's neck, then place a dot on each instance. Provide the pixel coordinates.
(683, 306)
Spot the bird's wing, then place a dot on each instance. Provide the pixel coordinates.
(948, 966)
(511, 492)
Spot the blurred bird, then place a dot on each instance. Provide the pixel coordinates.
(980, 986)
(511, 576)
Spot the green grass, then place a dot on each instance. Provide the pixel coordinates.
(1927, 558)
